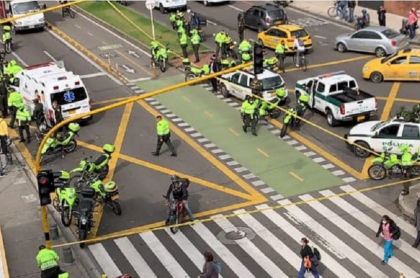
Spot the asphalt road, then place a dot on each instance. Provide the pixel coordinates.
(141, 187)
(324, 58)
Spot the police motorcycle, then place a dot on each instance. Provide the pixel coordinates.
(91, 171)
(230, 49)
(192, 72)
(246, 56)
(84, 213)
(291, 116)
(271, 63)
(107, 194)
(389, 165)
(160, 58)
(62, 145)
(65, 197)
(7, 39)
(270, 109)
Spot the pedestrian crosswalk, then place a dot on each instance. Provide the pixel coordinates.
(267, 243)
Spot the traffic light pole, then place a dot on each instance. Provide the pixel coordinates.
(45, 226)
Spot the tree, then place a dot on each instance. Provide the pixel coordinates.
(412, 115)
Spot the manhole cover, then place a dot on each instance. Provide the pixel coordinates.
(231, 237)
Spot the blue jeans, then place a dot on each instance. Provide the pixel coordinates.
(312, 270)
(351, 14)
(343, 12)
(412, 30)
(388, 252)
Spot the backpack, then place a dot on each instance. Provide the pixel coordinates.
(300, 42)
(397, 234)
(316, 253)
(218, 266)
(185, 182)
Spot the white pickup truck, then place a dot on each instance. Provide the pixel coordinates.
(338, 96)
(238, 84)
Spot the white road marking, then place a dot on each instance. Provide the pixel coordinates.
(50, 56)
(235, 8)
(104, 260)
(320, 37)
(211, 22)
(19, 59)
(139, 79)
(92, 75)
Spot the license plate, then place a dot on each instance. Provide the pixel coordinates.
(71, 112)
(278, 22)
(360, 118)
(115, 197)
(31, 26)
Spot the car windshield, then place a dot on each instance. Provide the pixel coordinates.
(69, 96)
(390, 34)
(299, 33)
(275, 14)
(379, 125)
(272, 83)
(25, 7)
(387, 58)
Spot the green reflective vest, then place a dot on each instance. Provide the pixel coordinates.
(23, 115)
(162, 128)
(195, 39)
(205, 69)
(47, 259)
(15, 70)
(244, 46)
(15, 99)
(183, 39)
(220, 38)
(248, 108)
(6, 36)
(280, 49)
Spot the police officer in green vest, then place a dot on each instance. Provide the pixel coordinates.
(244, 50)
(172, 19)
(14, 100)
(281, 50)
(47, 261)
(164, 136)
(24, 118)
(183, 41)
(219, 40)
(227, 63)
(14, 68)
(248, 115)
(195, 40)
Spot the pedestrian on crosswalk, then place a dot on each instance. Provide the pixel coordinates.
(164, 136)
(209, 268)
(417, 224)
(387, 227)
(309, 260)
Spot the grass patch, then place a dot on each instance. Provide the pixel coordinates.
(105, 12)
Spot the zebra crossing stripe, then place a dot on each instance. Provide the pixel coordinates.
(256, 254)
(189, 249)
(357, 235)
(168, 261)
(285, 226)
(134, 258)
(104, 260)
(351, 254)
(235, 265)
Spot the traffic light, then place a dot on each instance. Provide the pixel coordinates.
(258, 59)
(45, 186)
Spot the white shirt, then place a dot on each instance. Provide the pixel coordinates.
(297, 46)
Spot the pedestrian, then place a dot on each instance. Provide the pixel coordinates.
(3, 97)
(309, 260)
(58, 117)
(24, 118)
(351, 5)
(195, 40)
(39, 117)
(241, 26)
(47, 261)
(164, 136)
(214, 67)
(209, 268)
(382, 16)
(342, 7)
(412, 23)
(417, 223)
(219, 39)
(14, 100)
(389, 230)
(248, 115)
(183, 41)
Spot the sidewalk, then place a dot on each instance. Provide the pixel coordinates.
(320, 8)
(408, 203)
(22, 229)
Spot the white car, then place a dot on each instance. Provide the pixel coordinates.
(211, 2)
(376, 135)
(166, 5)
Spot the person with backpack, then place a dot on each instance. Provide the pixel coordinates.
(417, 224)
(178, 188)
(391, 232)
(211, 268)
(299, 46)
(310, 259)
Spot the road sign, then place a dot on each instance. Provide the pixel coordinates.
(150, 5)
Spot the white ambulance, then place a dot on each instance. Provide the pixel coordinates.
(26, 7)
(51, 82)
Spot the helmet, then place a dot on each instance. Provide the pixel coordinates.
(108, 148)
(154, 44)
(281, 92)
(174, 178)
(7, 28)
(364, 11)
(304, 98)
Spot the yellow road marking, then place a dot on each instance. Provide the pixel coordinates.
(119, 139)
(77, 26)
(134, 62)
(296, 176)
(233, 131)
(401, 99)
(110, 100)
(262, 152)
(186, 99)
(333, 63)
(3, 256)
(208, 114)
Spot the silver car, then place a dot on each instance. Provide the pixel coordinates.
(374, 39)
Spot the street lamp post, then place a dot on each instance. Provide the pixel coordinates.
(150, 5)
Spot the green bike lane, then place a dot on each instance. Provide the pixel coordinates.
(275, 162)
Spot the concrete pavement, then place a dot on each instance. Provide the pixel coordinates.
(408, 203)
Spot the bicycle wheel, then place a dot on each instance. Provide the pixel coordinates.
(332, 12)
(72, 13)
(304, 64)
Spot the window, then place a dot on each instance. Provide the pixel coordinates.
(271, 32)
(70, 96)
(352, 84)
(360, 35)
(343, 85)
(299, 33)
(414, 60)
(235, 78)
(372, 36)
(411, 131)
(25, 7)
(390, 34)
(243, 81)
(389, 131)
(333, 88)
(321, 87)
(256, 13)
(386, 59)
(272, 83)
(276, 14)
(281, 34)
(399, 61)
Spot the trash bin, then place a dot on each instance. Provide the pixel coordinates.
(404, 29)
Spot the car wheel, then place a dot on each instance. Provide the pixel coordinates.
(341, 47)
(361, 152)
(380, 52)
(376, 77)
(331, 121)
(260, 42)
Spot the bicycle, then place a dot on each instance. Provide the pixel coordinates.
(335, 11)
(303, 62)
(67, 11)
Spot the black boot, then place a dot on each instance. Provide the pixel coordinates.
(244, 128)
(155, 153)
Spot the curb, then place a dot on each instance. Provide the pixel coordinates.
(338, 22)
(406, 209)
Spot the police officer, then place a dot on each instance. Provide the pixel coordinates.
(183, 41)
(219, 40)
(24, 118)
(241, 26)
(226, 46)
(14, 68)
(248, 115)
(281, 49)
(3, 97)
(15, 99)
(244, 49)
(172, 19)
(58, 117)
(164, 136)
(180, 23)
(47, 261)
(195, 40)
(256, 86)
(38, 114)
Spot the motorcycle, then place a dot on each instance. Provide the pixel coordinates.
(124, 3)
(281, 3)
(271, 63)
(192, 72)
(66, 144)
(360, 24)
(290, 118)
(176, 214)
(85, 214)
(92, 171)
(231, 51)
(161, 60)
(107, 194)
(65, 198)
(266, 108)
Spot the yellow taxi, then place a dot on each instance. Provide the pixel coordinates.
(401, 66)
(273, 36)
